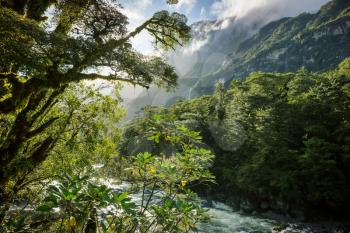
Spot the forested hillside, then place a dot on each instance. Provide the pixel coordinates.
(288, 44)
(281, 139)
(317, 41)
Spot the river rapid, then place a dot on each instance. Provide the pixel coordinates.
(223, 219)
(226, 220)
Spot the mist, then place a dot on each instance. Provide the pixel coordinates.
(214, 42)
(237, 20)
(272, 9)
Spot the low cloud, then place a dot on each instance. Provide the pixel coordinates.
(135, 10)
(273, 9)
(237, 20)
(186, 5)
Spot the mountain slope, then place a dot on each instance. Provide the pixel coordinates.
(281, 140)
(205, 54)
(316, 41)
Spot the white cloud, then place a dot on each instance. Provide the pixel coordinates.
(186, 5)
(277, 8)
(146, 2)
(194, 46)
(237, 21)
(232, 15)
(135, 10)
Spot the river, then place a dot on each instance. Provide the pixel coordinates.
(226, 220)
(223, 219)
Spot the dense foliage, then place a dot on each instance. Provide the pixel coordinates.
(277, 137)
(156, 198)
(41, 56)
(55, 121)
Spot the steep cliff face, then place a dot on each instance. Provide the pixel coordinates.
(316, 41)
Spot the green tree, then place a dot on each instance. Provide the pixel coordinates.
(284, 137)
(42, 55)
(84, 133)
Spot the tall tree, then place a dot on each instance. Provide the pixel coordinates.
(46, 45)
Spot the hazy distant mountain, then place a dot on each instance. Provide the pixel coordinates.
(232, 48)
(212, 42)
(317, 41)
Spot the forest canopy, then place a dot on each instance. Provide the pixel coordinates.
(277, 137)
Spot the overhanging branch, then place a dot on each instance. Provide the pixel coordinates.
(93, 76)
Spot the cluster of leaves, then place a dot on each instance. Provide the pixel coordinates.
(38, 63)
(277, 136)
(92, 133)
(73, 204)
(82, 124)
(165, 178)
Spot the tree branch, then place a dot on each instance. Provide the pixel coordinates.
(41, 128)
(93, 76)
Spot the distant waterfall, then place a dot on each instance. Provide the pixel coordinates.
(190, 93)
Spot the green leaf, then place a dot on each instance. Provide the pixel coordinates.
(122, 196)
(45, 207)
